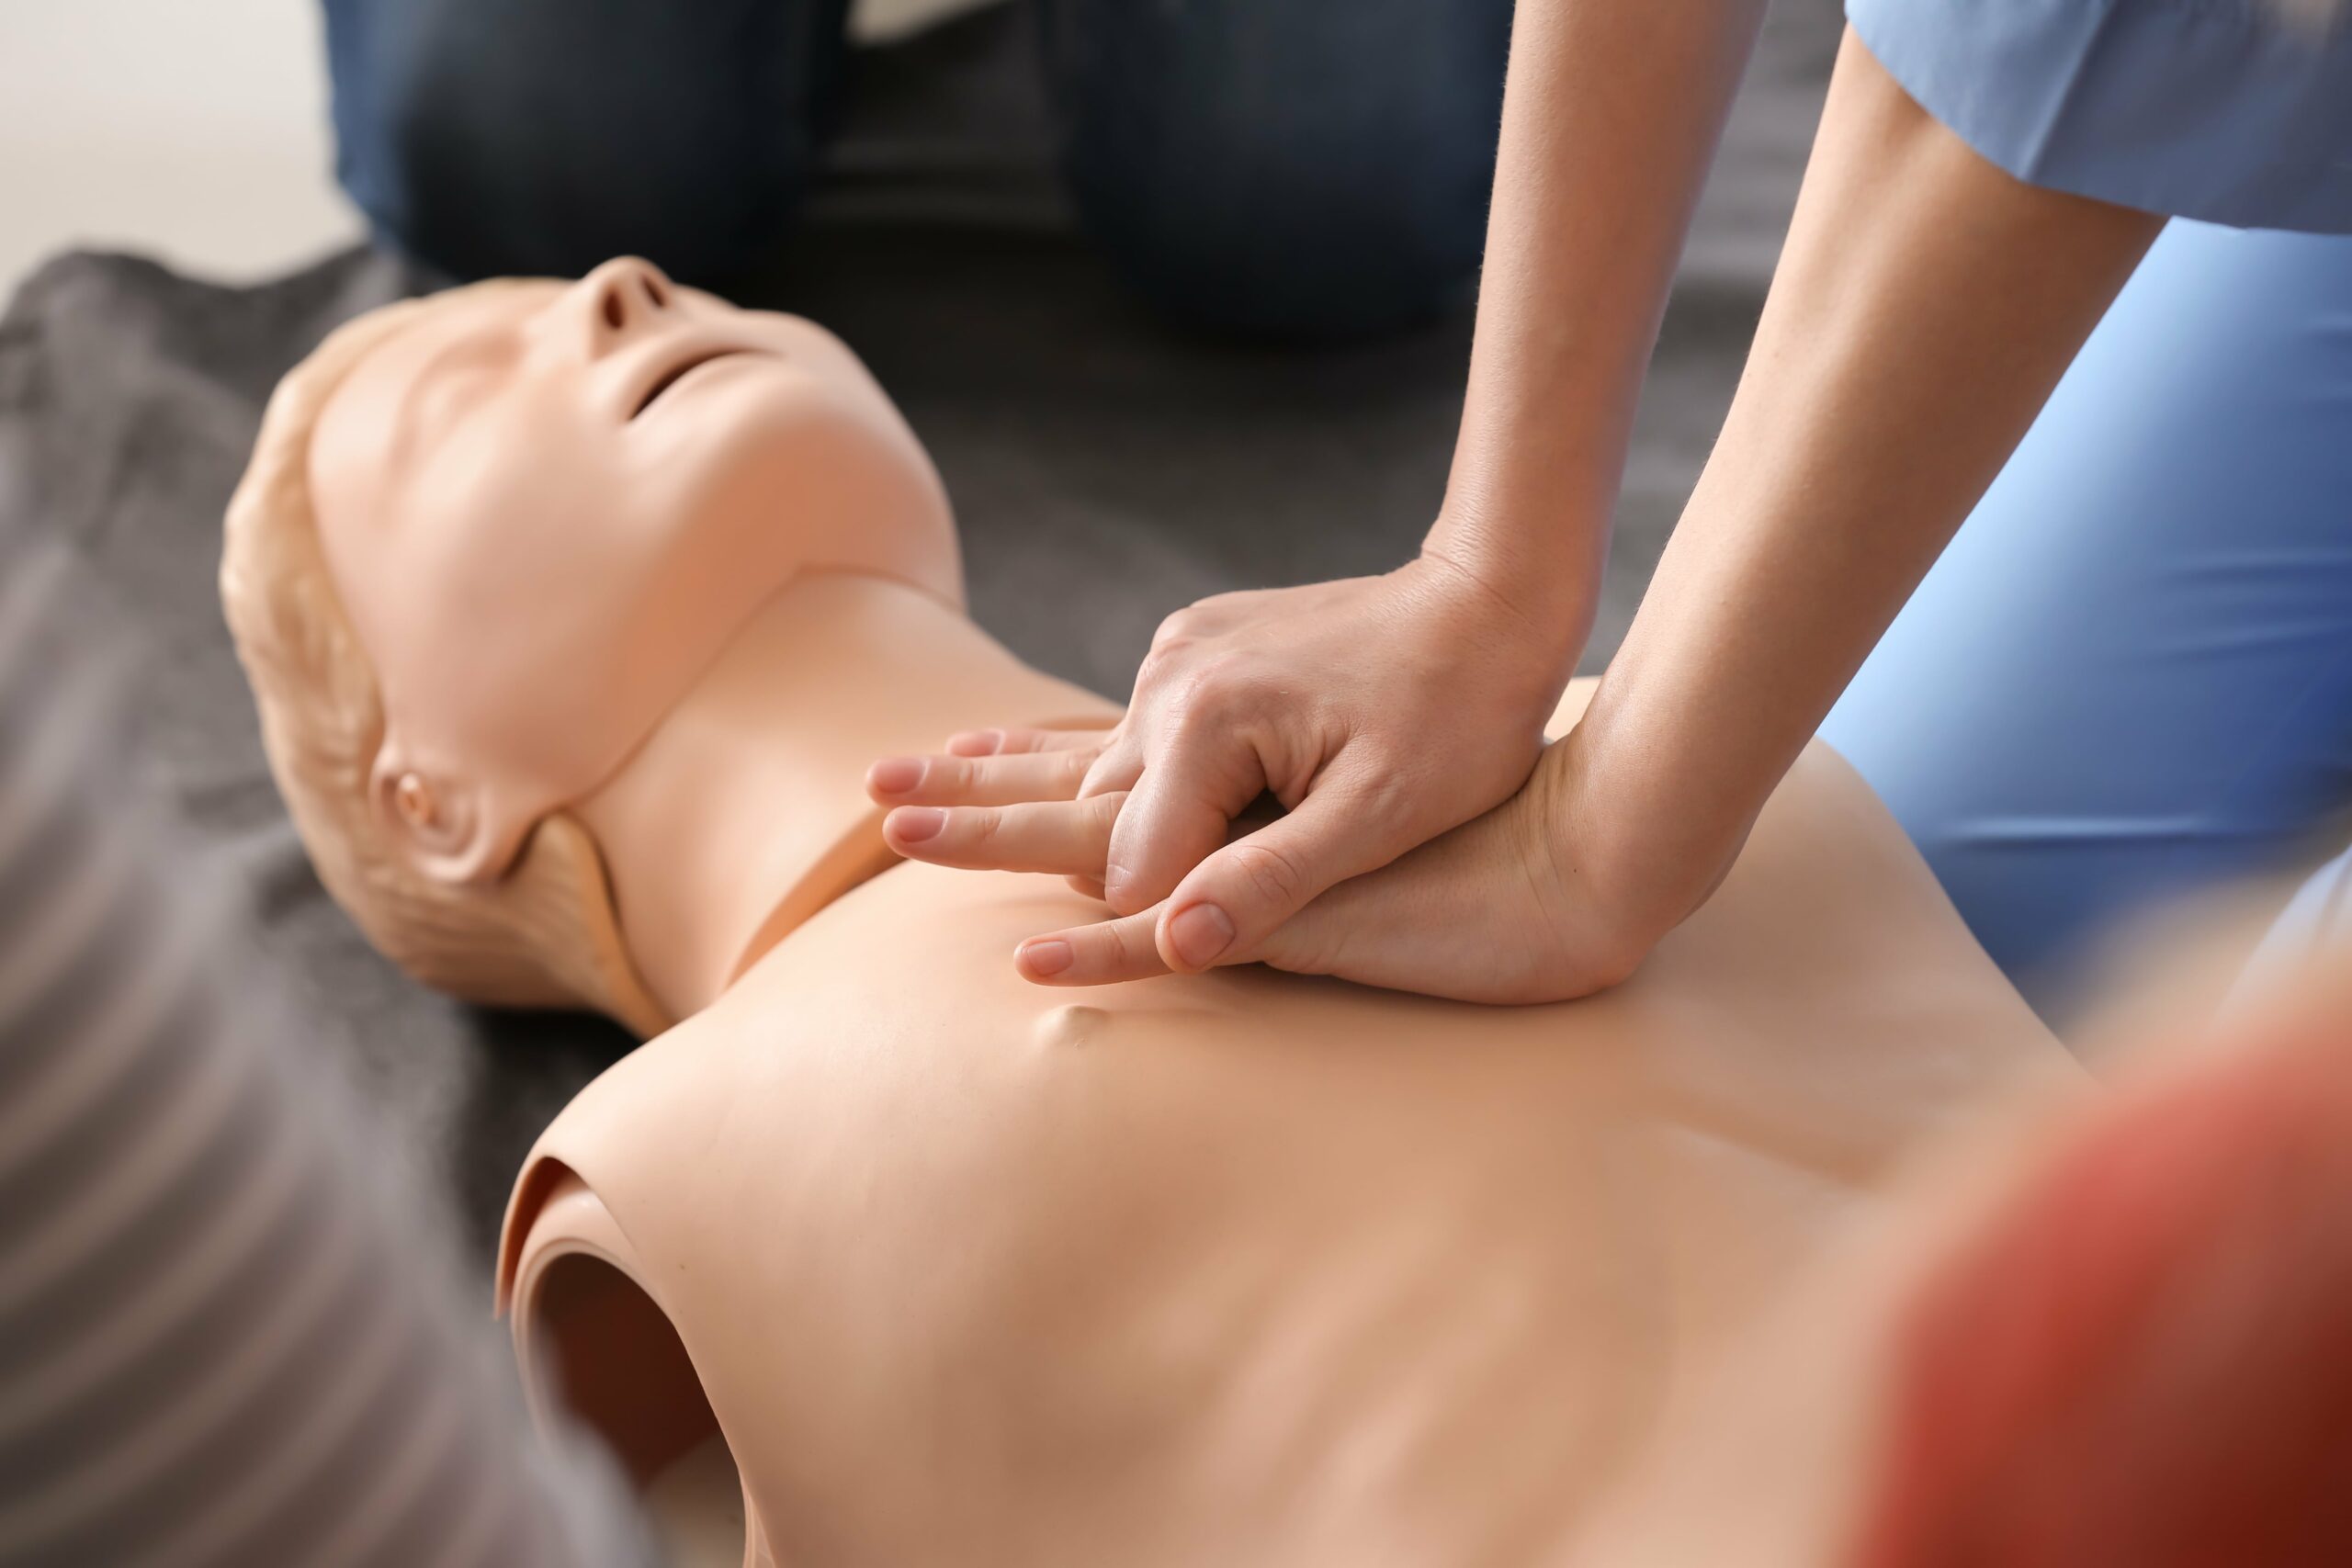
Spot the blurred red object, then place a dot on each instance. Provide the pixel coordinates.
(2145, 1357)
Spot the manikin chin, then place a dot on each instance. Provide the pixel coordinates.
(575, 615)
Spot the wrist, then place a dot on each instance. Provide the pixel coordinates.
(1545, 584)
(1622, 818)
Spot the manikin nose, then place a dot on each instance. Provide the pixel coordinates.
(621, 298)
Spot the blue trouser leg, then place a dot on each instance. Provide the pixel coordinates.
(1308, 168)
(2130, 676)
(544, 136)
(1290, 166)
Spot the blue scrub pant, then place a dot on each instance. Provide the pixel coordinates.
(2130, 676)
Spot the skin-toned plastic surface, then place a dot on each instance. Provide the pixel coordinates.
(584, 1322)
(460, 473)
(1237, 1268)
(2103, 1328)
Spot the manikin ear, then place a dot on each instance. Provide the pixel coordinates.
(441, 822)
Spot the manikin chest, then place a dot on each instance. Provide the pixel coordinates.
(1246, 1267)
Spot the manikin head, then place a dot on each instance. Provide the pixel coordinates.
(486, 542)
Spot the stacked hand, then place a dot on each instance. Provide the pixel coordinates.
(1392, 716)
(1397, 719)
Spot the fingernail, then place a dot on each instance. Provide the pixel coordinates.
(1200, 933)
(913, 824)
(894, 775)
(976, 743)
(1047, 958)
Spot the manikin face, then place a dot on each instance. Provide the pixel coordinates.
(547, 508)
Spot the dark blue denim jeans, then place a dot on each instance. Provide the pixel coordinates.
(1300, 167)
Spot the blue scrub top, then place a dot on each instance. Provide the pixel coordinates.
(2228, 110)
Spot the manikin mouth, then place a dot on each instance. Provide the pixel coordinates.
(679, 372)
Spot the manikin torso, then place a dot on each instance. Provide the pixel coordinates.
(1250, 1268)
(1236, 1269)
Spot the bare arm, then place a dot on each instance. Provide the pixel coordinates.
(1383, 711)
(1926, 305)
(1610, 122)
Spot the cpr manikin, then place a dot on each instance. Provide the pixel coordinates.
(575, 617)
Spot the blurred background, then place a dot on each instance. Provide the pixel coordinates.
(193, 134)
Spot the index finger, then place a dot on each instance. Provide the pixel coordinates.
(1015, 778)
(1098, 954)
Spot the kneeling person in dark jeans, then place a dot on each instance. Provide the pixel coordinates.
(1291, 168)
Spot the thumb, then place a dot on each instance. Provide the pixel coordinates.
(1240, 895)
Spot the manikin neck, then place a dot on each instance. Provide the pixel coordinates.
(745, 811)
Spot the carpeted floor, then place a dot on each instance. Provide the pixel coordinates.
(1106, 469)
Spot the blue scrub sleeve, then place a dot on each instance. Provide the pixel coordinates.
(2232, 111)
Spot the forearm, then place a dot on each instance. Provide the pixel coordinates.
(1610, 120)
(1925, 306)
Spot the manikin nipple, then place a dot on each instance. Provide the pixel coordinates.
(1066, 1028)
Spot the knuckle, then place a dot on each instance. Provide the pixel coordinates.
(1192, 720)
(1215, 694)
(1163, 675)
(1385, 803)
(1102, 950)
(1140, 947)
(1108, 774)
(1273, 874)
(1120, 892)
(1179, 630)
